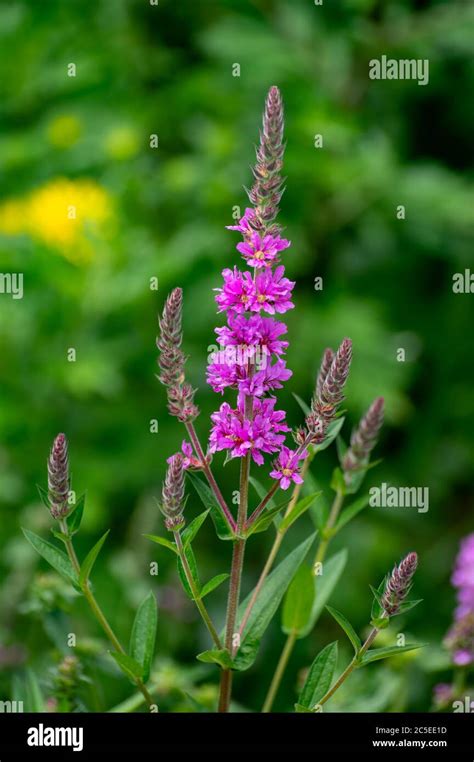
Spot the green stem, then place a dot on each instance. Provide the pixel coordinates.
(274, 549)
(197, 599)
(331, 520)
(350, 667)
(97, 611)
(235, 576)
(210, 476)
(279, 672)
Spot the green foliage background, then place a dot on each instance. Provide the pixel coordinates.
(167, 70)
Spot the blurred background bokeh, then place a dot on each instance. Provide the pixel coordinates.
(146, 212)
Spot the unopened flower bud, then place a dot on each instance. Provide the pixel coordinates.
(364, 438)
(58, 477)
(172, 502)
(399, 584)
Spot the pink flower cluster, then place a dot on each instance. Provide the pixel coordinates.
(463, 577)
(263, 433)
(460, 638)
(250, 356)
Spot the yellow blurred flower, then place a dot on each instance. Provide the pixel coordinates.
(62, 213)
(63, 131)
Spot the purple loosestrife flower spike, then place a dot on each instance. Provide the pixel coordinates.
(324, 405)
(399, 584)
(364, 438)
(58, 477)
(267, 190)
(172, 360)
(326, 363)
(172, 503)
(332, 390)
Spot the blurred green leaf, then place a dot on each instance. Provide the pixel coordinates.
(213, 584)
(216, 656)
(347, 627)
(162, 541)
(142, 640)
(74, 518)
(55, 557)
(319, 677)
(298, 602)
(375, 654)
(90, 559)
(191, 531)
(191, 559)
(267, 604)
(324, 585)
(300, 508)
(128, 665)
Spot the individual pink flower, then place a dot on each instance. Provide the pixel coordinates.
(243, 225)
(268, 331)
(188, 459)
(220, 375)
(272, 292)
(238, 292)
(262, 252)
(286, 467)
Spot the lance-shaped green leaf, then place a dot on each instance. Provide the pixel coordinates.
(357, 476)
(191, 531)
(44, 496)
(128, 665)
(301, 507)
(324, 585)
(298, 602)
(347, 627)
(90, 559)
(162, 541)
(55, 557)
(377, 609)
(191, 559)
(405, 606)
(267, 604)
(351, 512)
(142, 639)
(265, 519)
(338, 483)
(303, 405)
(375, 654)
(212, 584)
(74, 518)
(319, 677)
(331, 433)
(218, 656)
(208, 498)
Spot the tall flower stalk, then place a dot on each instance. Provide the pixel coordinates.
(249, 364)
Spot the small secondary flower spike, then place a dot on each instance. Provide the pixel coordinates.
(58, 477)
